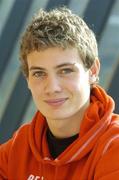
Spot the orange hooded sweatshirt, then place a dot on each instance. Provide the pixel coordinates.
(94, 155)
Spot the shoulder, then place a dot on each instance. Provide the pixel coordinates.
(21, 137)
(12, 146)
(111, 136)
(107, 167)
(21, 134)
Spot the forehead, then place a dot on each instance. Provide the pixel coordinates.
(53, 57)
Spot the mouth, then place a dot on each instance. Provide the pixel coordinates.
(56, 102)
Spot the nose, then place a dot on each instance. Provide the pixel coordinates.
(52, 85)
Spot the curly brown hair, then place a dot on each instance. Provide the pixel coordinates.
(58, 28)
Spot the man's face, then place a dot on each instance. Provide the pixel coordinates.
(58, 82)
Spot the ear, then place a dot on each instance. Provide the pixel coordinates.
(94, 71)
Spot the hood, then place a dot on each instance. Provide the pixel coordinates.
(96, 120)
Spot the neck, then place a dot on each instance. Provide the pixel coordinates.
(67, 127)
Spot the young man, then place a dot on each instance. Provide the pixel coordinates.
(74, 135)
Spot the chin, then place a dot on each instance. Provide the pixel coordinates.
(58, 116)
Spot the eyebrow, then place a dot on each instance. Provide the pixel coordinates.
(56, 67)
(64, 64)
(36, 68)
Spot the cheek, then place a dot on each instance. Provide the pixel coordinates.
(34, 87)
(73, 87)
(77, 83)
(79, 89)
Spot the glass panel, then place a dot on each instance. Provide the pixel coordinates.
(78, 6)
(5, 8)
(109, 47)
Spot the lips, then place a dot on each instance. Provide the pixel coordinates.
(56, 102)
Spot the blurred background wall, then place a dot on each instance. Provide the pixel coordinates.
(16, 105)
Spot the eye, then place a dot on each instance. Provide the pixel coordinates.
(39, 74)
(66, 71)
